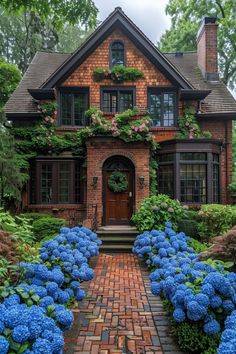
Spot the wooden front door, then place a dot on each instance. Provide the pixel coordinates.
(118, 207)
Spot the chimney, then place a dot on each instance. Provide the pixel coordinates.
(207, 49)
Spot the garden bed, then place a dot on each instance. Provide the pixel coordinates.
(199, 295)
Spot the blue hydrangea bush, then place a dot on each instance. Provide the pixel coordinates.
(33, 315)
(197, 290)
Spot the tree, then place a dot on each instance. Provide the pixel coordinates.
(23, 34)
(12, 176)
(186, 17)
(58, 12)
(10, 77)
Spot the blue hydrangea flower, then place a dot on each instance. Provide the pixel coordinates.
(20, 334)
(179, 315)
(211, 327)
(4, 345)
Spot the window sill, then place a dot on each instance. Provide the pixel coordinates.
(163, 128)
(79, 206)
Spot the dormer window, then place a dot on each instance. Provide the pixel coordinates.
(117, 54)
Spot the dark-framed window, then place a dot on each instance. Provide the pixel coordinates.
(56, 181)
(191, 177)
(73, 103)
(117, 54)
(116, 99)
(162, 107)
(216, 178)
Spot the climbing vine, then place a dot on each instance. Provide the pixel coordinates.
(189, 127)
(41, 136)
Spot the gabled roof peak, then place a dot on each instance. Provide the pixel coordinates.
(118, 20)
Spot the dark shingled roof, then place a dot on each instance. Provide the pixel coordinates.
(44, 64)
(41, 67)
(220, 99)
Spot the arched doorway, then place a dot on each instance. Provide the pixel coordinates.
(118, 207)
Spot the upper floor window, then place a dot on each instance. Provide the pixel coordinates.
(73, 105)
(162, 108)
(117, 54)
(117, 99)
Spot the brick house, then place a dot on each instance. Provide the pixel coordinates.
(195, 171)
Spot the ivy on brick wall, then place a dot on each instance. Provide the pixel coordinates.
(41, 138)
(189, 127)
(118, 74)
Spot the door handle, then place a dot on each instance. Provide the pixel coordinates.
(130, 194)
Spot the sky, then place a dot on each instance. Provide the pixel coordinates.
(148, 15)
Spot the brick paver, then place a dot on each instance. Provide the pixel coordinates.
(119, 314)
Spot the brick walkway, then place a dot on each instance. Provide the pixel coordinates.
(120, 315)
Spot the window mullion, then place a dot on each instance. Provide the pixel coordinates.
(72, 109)
(209, 178)
(118, 100)
(177, 175)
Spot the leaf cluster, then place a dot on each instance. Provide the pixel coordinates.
(118, 74)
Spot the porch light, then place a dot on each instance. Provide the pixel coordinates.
(95, 181)
(141, 181)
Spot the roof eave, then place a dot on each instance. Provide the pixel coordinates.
(42, 94)
(193, 94)
(218, 115)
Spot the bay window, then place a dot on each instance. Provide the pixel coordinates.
(191, 176)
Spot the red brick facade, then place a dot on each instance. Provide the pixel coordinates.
(100, 149)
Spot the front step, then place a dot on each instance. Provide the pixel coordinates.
(117, 239)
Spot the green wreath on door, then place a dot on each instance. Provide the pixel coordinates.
(118, 182)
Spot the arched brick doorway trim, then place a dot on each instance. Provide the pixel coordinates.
(118, 207)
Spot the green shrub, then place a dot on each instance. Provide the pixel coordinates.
(192, 339)
(197, 246)
(47, 227)
(215, 220)
(34, 215)
(155, 211)
(18, 226)
(190, 335)
(189, 223)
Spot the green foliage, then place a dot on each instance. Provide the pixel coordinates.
(155, 211)
(186, 17)
(189, 127)
(153, 167)
(29, 297)
(19, 227)
(191, 338)
(12, 176)
(58, 12)
(189, 223)
(215, 220)
(10, 77)
(232, 188)
(25, 33)
(47, 227)
(197, 246)
(190, 335)
(118, 74)
(32, 216)
(8, 270)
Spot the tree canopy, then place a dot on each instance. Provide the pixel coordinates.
(23, 34)
(58, 12)
(12, 168)
(10, 77)
(186, 16)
